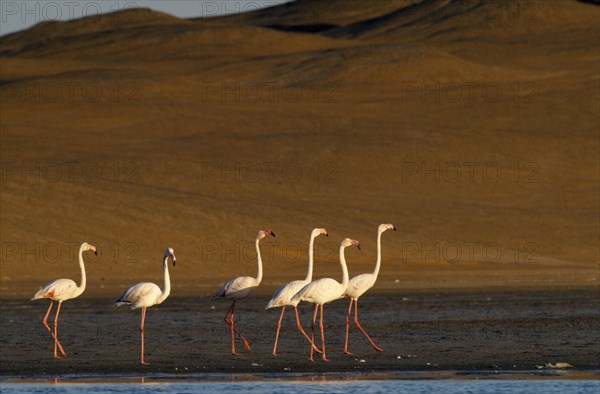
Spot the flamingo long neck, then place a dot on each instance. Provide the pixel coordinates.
(344, 267)
(378, 263)
(81, 286)
(311, 249)
(167, 289)
(259, 274)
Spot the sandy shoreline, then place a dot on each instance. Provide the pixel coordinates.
(424, 331)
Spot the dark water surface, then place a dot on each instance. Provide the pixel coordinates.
(352, 383)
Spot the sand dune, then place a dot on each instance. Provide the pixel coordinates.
(471, 126)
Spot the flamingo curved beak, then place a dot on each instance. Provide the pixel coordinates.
(272, 233)
(394, 228)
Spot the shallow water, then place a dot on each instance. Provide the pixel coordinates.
(546, 381)
(363, 387)
(349, 383)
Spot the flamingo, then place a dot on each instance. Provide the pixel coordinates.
(61, 290)
(283, 295)
(239, 288)
(144, 295)
(359, 284)
(325, 290)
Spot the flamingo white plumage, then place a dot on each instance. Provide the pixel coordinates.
(283, 295)
(144, 295)
(325, 290)
(239, 288)
(61, 290)
(359, 284)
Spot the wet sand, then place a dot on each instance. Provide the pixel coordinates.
(418, 330)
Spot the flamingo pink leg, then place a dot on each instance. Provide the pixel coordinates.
(233, 329)
(362, 330)
(312, 335)
(347, 326)
(45, 323)
(322, 335)
(304, 333)
(278, 327)
(56, 343)
(142, 337)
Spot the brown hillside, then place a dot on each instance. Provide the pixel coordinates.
(476, 135)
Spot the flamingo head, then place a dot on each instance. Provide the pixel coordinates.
(350, 242)
(263, 233)
(86, 246)
(169, 252)
(318, 231)
(384, 227)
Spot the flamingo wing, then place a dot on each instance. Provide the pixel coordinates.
(141, 294)
(233, 287)
(358, 285)
(320, 291)
(283, 295)
(57, 290)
